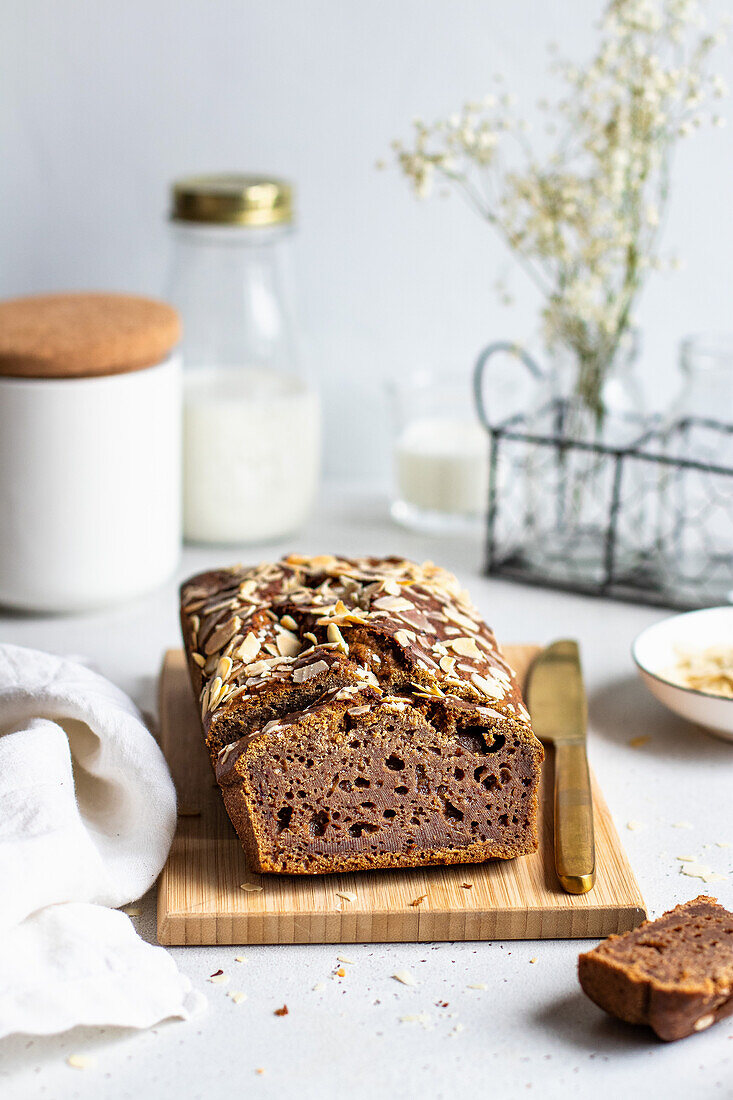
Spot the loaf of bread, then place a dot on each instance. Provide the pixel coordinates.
(674, 974)
(359, 714)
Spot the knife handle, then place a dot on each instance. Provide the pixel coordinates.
(575, 853)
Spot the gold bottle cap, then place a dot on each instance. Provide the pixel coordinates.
(233, 200)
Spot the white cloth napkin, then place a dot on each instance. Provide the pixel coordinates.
(87, 815)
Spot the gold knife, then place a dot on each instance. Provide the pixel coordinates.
(557, 705)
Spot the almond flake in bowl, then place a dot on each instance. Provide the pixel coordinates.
(685, 661)
(709, 670)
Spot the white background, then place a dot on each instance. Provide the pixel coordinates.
(102, 103)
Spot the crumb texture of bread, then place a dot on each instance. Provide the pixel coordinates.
(359, 714)
(674, 974)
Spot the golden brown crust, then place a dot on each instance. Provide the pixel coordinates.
(84, 335)
(363, 661)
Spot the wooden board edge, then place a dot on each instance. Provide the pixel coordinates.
(482, 927)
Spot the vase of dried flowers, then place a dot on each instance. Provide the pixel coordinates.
(582, 212)
(555, 469)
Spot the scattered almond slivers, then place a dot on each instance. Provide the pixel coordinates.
(701, 871)
(250, 887)
(347, 895)
(79, 1061)
(422, 1018)
(405, 977)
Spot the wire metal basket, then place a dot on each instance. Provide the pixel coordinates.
(649, 520)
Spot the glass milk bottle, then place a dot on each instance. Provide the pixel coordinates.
(251, 420)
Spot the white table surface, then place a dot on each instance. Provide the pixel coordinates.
(530, 1031)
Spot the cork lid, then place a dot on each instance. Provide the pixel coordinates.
(84, 335)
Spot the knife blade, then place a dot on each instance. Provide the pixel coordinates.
(557, 705)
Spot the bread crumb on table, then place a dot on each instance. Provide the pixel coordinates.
(282, 1011)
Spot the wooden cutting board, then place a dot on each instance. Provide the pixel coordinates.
(200, 899)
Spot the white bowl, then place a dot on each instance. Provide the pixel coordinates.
(655, 651)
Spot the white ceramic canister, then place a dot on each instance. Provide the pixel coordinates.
(90, 450)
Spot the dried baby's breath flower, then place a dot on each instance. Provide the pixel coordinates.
(584, 221)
